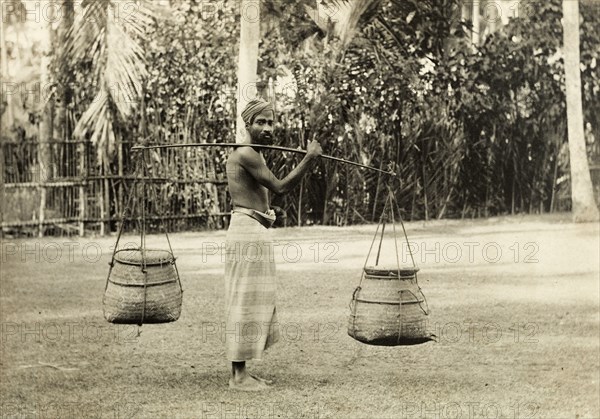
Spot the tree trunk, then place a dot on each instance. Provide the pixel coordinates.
(299, 211)
(7, 114)
(65, 78)
(46, 126)
(554, 177)
(247, 60)
(582, 195)
(476, 25)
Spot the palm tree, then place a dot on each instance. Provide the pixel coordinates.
(583, 204)
(248, 59)
(6, 120)
(108, 35)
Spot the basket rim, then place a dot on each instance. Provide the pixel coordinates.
(390, 272)
(165, 257)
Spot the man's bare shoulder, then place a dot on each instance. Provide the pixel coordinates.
(247, 155)
(237, 153)
(247, 151)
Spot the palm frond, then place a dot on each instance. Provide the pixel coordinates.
(108, 35)
(125, 65)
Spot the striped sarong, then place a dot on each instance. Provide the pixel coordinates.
(250, 289)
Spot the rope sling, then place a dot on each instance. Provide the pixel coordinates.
(143, 285)
(388, 307)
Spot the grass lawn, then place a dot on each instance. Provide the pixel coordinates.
(514, 303)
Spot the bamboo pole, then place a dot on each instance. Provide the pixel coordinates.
(260, 146)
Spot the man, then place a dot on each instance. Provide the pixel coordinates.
(250, 277)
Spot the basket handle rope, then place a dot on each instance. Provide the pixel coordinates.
(124, 211)
(112, 260)
(143, 239)
(395, 201)
(164, 230)
(382, 222)
(388, 210)
(140, 180)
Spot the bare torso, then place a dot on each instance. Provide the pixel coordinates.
(244, 188)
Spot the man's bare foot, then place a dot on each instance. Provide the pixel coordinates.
(263, 380)
(247, 382)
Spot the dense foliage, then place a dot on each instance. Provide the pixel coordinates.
(471, 131)
(410, 90)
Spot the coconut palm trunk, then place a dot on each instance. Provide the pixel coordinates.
(583, 204)
(248, 60)
(46, 126)
(476, 25)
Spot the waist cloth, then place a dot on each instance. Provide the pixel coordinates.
(250, 289)
(265, 218)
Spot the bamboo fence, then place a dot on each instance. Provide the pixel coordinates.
(60, 188)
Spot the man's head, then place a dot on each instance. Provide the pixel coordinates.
(258, 116)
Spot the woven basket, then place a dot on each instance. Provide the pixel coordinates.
(388, 308)
(142, 288)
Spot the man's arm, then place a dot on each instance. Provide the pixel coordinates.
(254, 164)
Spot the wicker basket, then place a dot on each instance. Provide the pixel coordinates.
(143, 287)
(388, 308)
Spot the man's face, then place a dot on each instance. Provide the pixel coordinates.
(261, 130)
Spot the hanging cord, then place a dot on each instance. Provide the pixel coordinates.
(143, 183)
(140, 178)
(122, 224)
(164, 230)
(363, 273)
(381, 222)
(400, 301)
(425, 310)
(173, 260)
(391, 198)
(127, 209)
(394, 202)
(404, 230)
(380, 241)
(143, 238)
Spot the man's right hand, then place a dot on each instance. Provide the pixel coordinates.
(314, 149)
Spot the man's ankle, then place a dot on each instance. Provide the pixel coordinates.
(238, 368)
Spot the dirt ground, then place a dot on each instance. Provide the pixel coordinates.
(514, 303)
